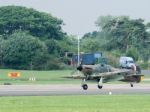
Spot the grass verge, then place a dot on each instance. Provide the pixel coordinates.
(43, 77)
(96, 103)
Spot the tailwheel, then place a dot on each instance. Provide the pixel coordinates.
(100, 87)
(85, 86)
(131, 84)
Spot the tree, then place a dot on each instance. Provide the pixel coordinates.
(125, 32)
(38, 24)
(2, 42)
(23, 51)
(132, 52)
(90, 45)
(119, 36)
(103, 20)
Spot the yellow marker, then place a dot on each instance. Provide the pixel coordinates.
(142, 78)
(14, 74)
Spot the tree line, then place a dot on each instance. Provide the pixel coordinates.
(120, 36)
(30, 39)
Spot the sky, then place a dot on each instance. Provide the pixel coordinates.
(79, 16)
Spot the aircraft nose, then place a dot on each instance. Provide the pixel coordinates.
(79, 68)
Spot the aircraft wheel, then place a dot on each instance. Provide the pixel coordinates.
(85, 86)
(100, 87)
(131, 85)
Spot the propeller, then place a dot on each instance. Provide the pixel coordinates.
(80, 68)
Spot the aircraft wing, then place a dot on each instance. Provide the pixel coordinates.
(117, 72)
(74, 77)
(105, 74)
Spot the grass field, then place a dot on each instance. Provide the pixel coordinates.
(41, 77)
(99, 103)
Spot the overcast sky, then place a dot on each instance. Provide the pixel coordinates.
(80, 15)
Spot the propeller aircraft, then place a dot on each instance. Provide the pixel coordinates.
(102, 73)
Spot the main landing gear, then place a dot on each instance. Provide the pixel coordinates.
(85, 86)
(131, 84)
(100, 87)
(100, 83)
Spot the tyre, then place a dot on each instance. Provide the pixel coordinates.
(85, 86)
(100, 87)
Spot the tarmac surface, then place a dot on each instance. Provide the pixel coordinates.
(69, 89)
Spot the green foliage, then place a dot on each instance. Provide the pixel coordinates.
(90, 45)
(59, 47)
(34, 40)
(90, 35)
(53, 63)
(113, 58)
(28, 39)
(144, 65)
(145, 52)
(122, 34)
(23, 51)
(103, 20)
(2, 42)
(38, 24)
(126, 33)
(93, 42)
(53, 46)
(132, 52)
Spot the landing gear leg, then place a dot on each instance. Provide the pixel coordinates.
(131, 84)
(100, 83)
(84, 86)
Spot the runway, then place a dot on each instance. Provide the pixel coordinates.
(68, 89)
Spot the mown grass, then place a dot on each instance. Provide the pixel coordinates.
(43, 77)
(99, 103)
